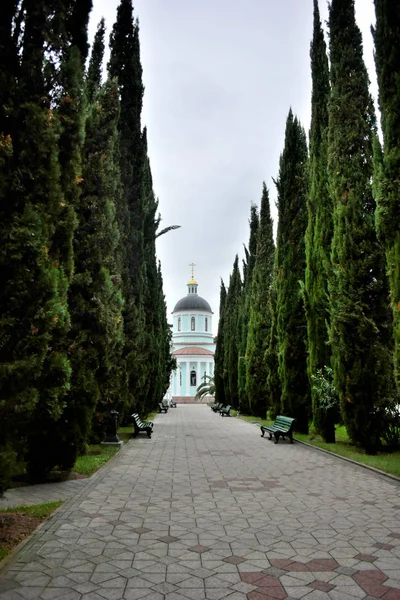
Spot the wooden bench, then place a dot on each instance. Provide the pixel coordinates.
(283, 426)
(224, 412)
(139, 426)
(162, 407)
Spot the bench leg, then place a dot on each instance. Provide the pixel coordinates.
(262, 432)
(291, 438)
(277, 434)
(149, 434)
(270, 435)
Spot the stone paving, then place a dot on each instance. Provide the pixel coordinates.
(207, 509)
(42, 492)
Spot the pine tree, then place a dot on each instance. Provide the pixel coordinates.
(289, 270)
(359, 305)
(319, 229)
(220, 392)
(387, 60)
(244, 309)
(231, 334)
(259, 329)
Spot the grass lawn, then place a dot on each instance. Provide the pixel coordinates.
(384, 461)
(19, 522)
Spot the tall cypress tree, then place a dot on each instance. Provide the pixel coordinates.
(126, 66)
(231, 332)
(259, 329)
(244, 310)
(291, 323)
(359, 302)
(271, 358)
(68, 35)
(320, 227)
(387, 60)
(93, 76)
(219, 380)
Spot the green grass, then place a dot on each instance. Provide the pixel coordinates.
(97, 455)
(40, 511)
(384, 461)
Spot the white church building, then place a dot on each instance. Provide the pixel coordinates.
(193, 342)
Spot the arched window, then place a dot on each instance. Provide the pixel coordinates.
(193, 378)
(206, 324)
(180, 377)
(193, 324)
(179, 323)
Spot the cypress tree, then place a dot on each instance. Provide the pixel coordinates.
(359, 303)
(387, 60)
(271, 358)
(93, 76)
(126, 66)
(219, 379)
(259, 329)
(319, 229)
(231, 334)
(289, 270)
(244, 310)
(50, 441)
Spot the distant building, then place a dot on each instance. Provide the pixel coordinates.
(193, 342)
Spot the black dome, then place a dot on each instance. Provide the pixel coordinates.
(192, 302)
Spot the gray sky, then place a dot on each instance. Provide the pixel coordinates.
(220, 77)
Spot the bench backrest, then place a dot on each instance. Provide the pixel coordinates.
(285, 423)
(226, 409)
(137, 420)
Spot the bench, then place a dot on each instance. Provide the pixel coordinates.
(162, 407)
(139, 426)
(283, 426)
(172, 404)
(217, 407)
(224, 412)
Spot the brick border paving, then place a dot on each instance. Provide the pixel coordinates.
(207, 509)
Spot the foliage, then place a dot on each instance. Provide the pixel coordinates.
(326, 402)
(291, 331)
(231, 336)
(320, 226)
(387, 59)
(219, 379)
(207, 388)
(259, 326)
(361, 325)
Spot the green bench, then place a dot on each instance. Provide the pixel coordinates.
(217, 407)
(224, 412)
(283, 426)
(139, 425)
(162, 407)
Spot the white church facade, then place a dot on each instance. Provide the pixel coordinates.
(193, 342)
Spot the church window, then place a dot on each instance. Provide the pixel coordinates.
(179, 323)
(193, 378)
(180, 377)
(206, 324)
(193, 324)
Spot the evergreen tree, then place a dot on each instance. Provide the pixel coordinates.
(319, 229)
(126, 66)
(259, 329)
(244, 309)
(359, 304)
(290, 265)
(231, 334)
(387, 60)
(93, 77)
(219, 379)
(271, 358)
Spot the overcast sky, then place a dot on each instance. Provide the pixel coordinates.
(220, 77)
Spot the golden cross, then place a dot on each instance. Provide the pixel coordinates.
(193, 266)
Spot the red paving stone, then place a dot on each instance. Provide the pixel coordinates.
(323, 586)
(366, 557)
(251, 577)
(392, 594)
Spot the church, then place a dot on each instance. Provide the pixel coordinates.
(192, 341)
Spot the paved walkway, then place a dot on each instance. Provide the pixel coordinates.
(209, 509)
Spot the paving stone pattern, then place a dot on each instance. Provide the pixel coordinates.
(207, 508)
